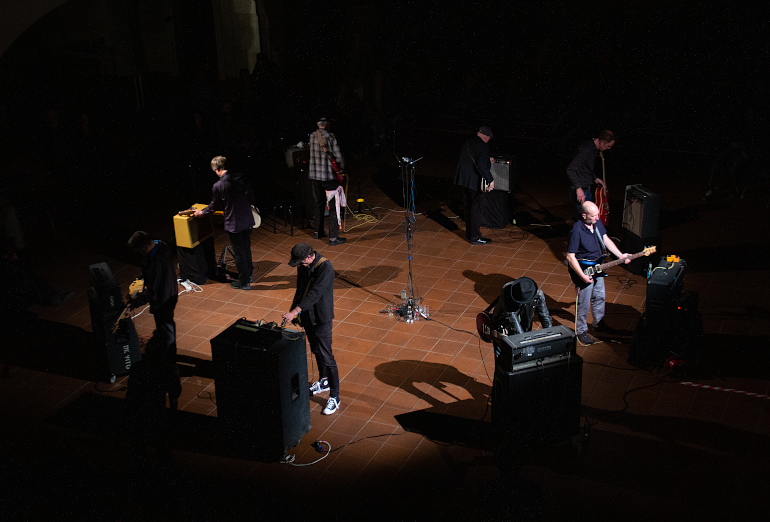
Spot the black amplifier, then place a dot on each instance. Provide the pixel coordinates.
(664, 288)
(530, 346)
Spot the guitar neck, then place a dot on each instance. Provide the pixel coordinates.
(604, 266)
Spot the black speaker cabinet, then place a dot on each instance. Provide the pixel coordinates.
(199, 263)
(641, 211)
(664, 288)
(106, 287)
(115, 338)
(539, 400)
(261, 386)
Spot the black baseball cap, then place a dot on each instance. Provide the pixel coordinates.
(299, 253)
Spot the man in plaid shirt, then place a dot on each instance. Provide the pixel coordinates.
(323, 179)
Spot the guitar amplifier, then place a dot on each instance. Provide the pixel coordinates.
(641, 211)
(191, 231)
(504, 172)
(297, 157)
(261, 377)
(539, 401)
(119, 346)
(664, 287)
(106, 288)
(530, 346)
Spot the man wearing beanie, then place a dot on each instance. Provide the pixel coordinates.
(314, 304)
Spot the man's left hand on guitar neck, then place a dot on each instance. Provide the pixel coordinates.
(602, 185)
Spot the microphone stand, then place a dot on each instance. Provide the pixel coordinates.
(408, 309)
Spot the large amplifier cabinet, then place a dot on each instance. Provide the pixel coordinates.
(261, 386)
(504, 172)
(530, 346)
(114, 337)
(539, 400)
(664, 287)
(191, 231)
(641, 211)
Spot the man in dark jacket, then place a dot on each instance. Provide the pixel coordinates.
(314, 303)
(515, 310)
(233, 194)
(473, 168)
(580, 171)
(160, 286)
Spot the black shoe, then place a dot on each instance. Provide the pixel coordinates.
(585, 339)
(480, 241)
(338, 241)
(318, 235)
(238, 286)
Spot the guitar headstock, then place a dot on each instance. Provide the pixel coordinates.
(650, 250)
(136, 287)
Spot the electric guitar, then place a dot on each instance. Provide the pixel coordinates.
(486, 330)
(594, 269)
(602, 201)
(136, 288)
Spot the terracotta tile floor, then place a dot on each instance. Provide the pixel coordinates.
(656, 448)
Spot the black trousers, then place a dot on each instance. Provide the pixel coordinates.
(319, 337)
(472, 204)
(241, 243)
(319, 208)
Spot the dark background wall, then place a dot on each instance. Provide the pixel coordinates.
(669, 75)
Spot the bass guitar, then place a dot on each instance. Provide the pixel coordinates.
(602, 201)
(593, 268)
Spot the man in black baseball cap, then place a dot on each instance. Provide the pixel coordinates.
(314, 304)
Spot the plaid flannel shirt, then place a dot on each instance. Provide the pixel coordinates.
(320, 166)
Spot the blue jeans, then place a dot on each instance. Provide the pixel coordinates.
(590, 298)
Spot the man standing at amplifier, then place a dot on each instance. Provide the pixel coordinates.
(233, 194)
(587, 240)
(474, 176)
(160, 288)
(580, 171)
(314, 304)
(324, 181)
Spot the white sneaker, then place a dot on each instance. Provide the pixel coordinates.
(332, 405)
(319, 387)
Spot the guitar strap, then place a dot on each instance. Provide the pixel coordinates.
(322, 144)
(307, 288)
(601, 241)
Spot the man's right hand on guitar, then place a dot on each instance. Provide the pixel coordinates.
(491, 186)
